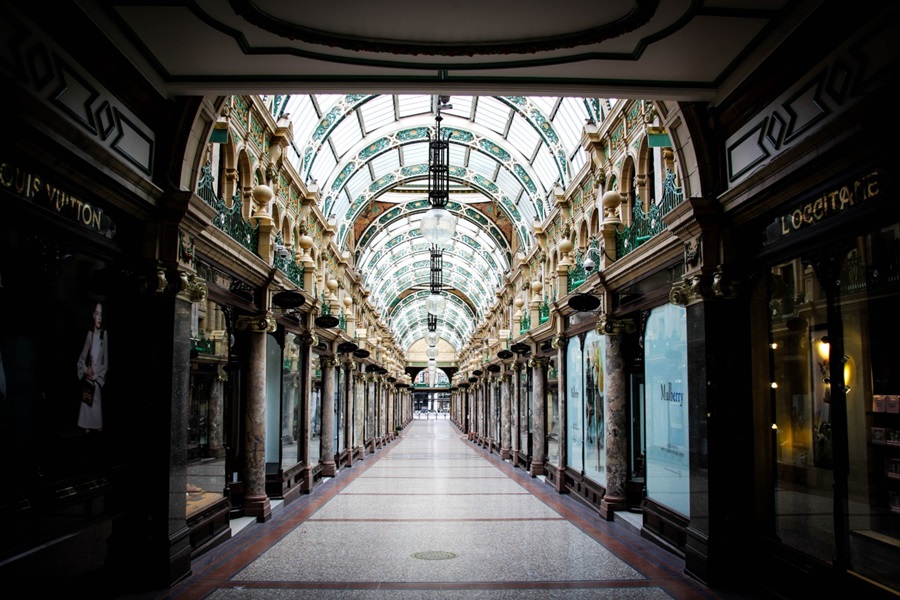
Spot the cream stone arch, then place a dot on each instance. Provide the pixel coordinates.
(581, 241)
(245, 181)
(229, 171)
(686, 162)
(627, 190)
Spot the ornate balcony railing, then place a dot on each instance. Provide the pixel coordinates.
(231, 221)
(543, 311)
(645, 225)
(525, 324)
(576, 274)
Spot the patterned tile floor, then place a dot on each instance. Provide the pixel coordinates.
(434, 516)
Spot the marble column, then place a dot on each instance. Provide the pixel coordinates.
(504, 417)
(327, 364)
(217, 413)
(370, 412)
(616, 420)
(538, 415)
(516, 435)
(560, 344)
(256, 502)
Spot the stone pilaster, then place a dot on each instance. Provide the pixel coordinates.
(327, 364)
(256, 502)
(538, 415)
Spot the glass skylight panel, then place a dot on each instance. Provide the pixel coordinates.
(493, 114)
(416, 154)
(304, 117)
(577, 159)
(569, 122)
(508, 182)
(483, 164)
(377, 113)
(359, 183)
(546, 169)
(546, 104)
(523, 136)
(462, 106)
(457, 154)
(323, 168)
(413, 105)
(327, 101)
(384, 163)
(346, 135)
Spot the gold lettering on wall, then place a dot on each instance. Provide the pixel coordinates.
(34, 188)
(831, 203)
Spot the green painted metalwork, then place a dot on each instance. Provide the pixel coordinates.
(288, 265)
(646, 225)
(342, 321)
(525, 325)
(576, 274)
(206, 187)
(543, 311)
(232, 222)
(203, 345)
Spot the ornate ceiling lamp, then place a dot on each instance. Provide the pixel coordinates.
(438, 224)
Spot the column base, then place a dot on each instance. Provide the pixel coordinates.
(259, 507)
(561, 480)
(306, 480)
(537, 468)
(505, 453)
(610, 504)
(329, 468)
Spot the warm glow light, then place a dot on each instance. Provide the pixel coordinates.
(774, 385)
(774, 345)
(823, 348)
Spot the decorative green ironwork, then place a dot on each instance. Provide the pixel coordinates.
(525, 325)
(206, 187)
(203, 345)
(232, 222)
(288, 265)
(543, 311)
(576, 274)
(645, 225)
(342, 321)
(326, 306)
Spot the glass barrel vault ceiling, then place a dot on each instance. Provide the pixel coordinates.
(369, 156)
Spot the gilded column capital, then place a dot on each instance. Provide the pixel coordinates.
(538, 361)
(608, 326)
(308, 339)
(327, 361)
(261, 323)
(559, 342)
(516, 367)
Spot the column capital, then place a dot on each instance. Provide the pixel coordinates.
(559, 342)
(261, 323)
(538, 361)
(327, 362)
(608, 326)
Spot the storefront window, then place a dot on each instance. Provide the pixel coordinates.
(594, 415)
(315, 415)
(359, 410)
(273, 401)
(665, 371)
(574, 405)
(832, 343)
(552, 415)
(291, 386)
